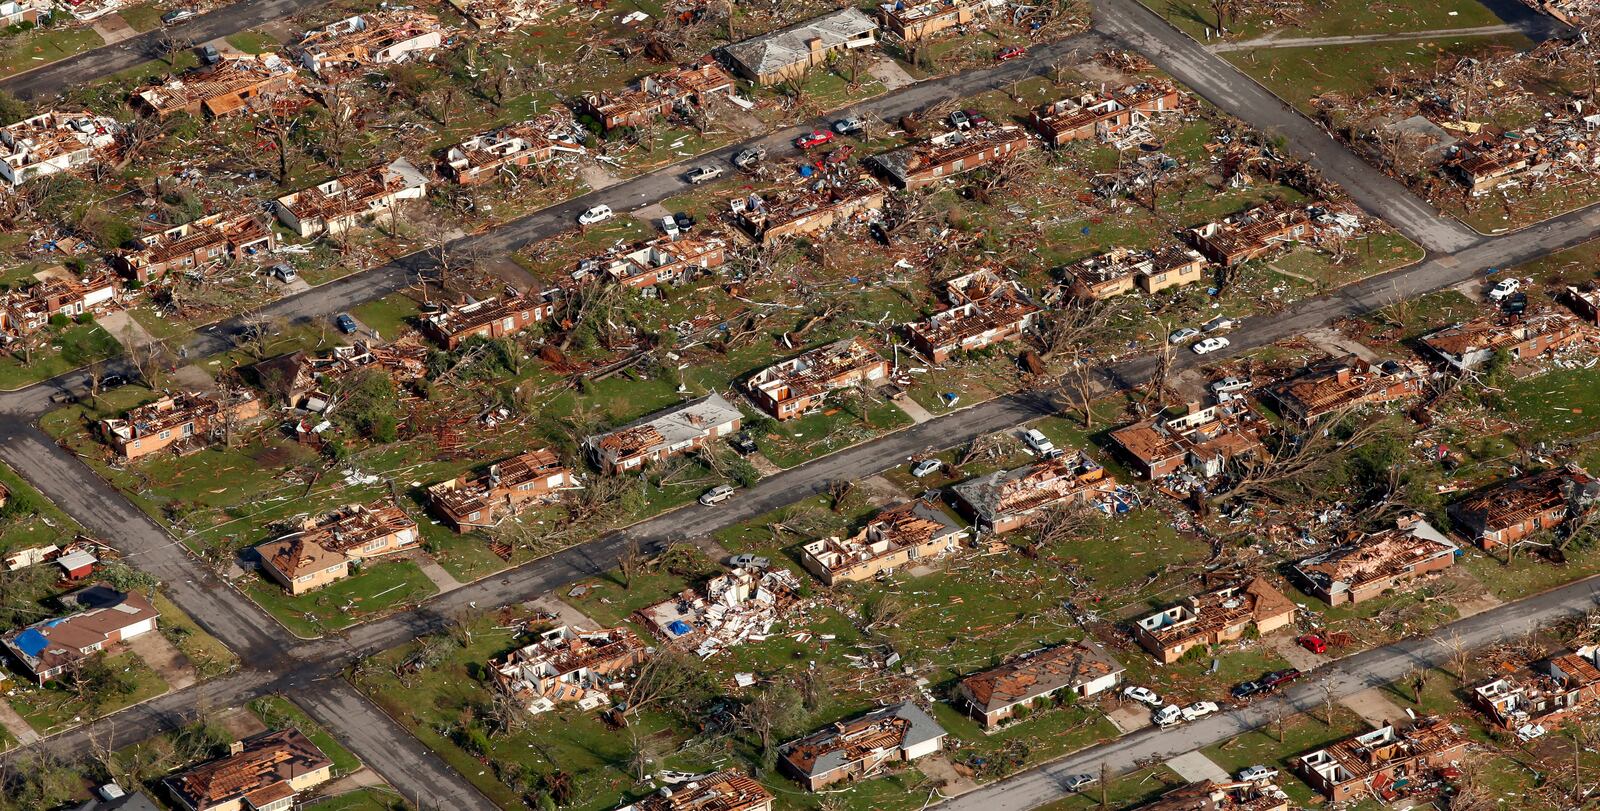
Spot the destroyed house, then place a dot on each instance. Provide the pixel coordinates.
(264, 772)
(789, 52)
(1543, 693)
(212, 239)
(501, 15)
(17, 12)
(864, 746)
(187, 422)
(1383, 763)
(1081, 669)
(1334, 385)
(1106, 115)
(1522, 337)
(806, 210)
(801, 384)
(658, 94)
(674, 431)
(986, 310)
(1205, 440)
(1505, 513)
(1008, 499)
(1211, 618)
(54, 142)
(1376, 562)
(657, 261)
(1586, 303)
(340, 204)
(376, 38)
(231, 84)
(1250, 235)
(476, 500)
(489, 318)
(485, 156)
(730, 609)
(727, 790)
(902, 535)
(325, 547)
(914, 21)
(949, 154)
(50, 648)
(567, 666)
(1122, 270)
(1228, 795)
(1490, 158)
(24, 312)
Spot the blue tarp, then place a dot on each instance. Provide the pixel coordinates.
(31, 642)
(678, 627)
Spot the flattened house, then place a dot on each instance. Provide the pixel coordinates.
(1105, 115)
(727, 790)
(567, 665)
(487, 155)
(949, 154)
(1543, 693)
(1332, 385)
(1535, 332)
(796, 386)
(233, 84)
(1082, 669)
(54, 142)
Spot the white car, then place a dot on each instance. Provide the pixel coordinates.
(1221, 322)
(748, 560)
(704, 174)
(1038, 442)
(1199, 709)
(716, 495)
(599, 213)
(669, 226)
(1167, 716)
(1178, 336)
(1255, 773)
(926, 467)
(1504, 288)
(1210, 345)
(1143, 695)
(1229, 385)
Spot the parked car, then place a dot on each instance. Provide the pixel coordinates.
(814, 138)
(1278, 678)
(178, 15)
(716, 495)
(1079, 782)
(975, 118)
(209, 55)
(1246, 689)
(1011, 52)
(1254, 773)
(959, 120)
(669, 226)
(750, 560)
(1314, 643)
(742, 444)
(113, 381)
(1210, 345)
(748, 158)
(1199, 709)
(925, 467)
(283, 273)
(1037, 442)
(1221, 322)
(599, 213)
(1178, 336)
(1504, 288)
(1167, 716)
(345, 323)
(704, 174)
(1143, 695)
(1229, 385)
(684, 221)
(850, 125)
(1515, 304)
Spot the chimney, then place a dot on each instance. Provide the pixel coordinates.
(815, 44)
(235, 748)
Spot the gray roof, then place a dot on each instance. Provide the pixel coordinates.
(787, 46)
(682, 422)
(920, 729)
(134, 801)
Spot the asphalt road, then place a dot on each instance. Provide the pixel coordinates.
(1352, 674)
(53, 79)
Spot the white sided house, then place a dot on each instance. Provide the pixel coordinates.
(340, 204)
(53, 142)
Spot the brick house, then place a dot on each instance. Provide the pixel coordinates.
(186, 421)
(1104, 116)
(1251, 234)
(1122, 270)
(674, 431)
(324, 548)
(1005, 500)
(25, 312)
(1543, 693)
(1082, 669)
(340, 204)
(862, 746)
(912, 22)
(1376, 562)
(232, 84)
(1507, 512)
(265, 772)
(213, 239)
(658, 94)
(488, 318)
(986, 309)
(1332, 385)
(659, 261)
(1381, 763)
(1535, 332)
(1203, 439)
(800, 384)
(914, 531)
(479, 500)
(949, 154)
(1220, 615)
(806, 211)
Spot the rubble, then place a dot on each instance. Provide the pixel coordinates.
(233, 84)
(730, 609)
(54, 142)
(568, 665)
(375, 38)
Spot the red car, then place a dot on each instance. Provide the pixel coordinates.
(1010, 53)
(813, 138)
(1314, 643)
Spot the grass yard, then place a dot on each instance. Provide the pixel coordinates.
(55, 707)
(380, 588)
(142, 17)
(29, 519)
(366, 799)
(1330, 18)
(1123, 791)
(1558, 404)
(278, 712)
(69, 348)
(41, 46)
(207, 653)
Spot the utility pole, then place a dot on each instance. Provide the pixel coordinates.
(1104, 773)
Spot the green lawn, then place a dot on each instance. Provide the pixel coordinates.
(207, 653)
(1301, 733)
(29, 519)
(1558, 404)
(54, 707)
(69, 348)
(142, 17)
(378, 589)
(1331, 18)
(1122, 791)
(366, 799)
(42, 46)
(278, 712)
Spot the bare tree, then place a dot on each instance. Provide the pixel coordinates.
(629, 562)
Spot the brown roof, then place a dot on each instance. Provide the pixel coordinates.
(298, 555)
(1068, 665)
(728, 790)
(64, 639)
(264, 763)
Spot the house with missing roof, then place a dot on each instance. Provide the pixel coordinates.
(326, 547)
(480, 500)
(1385, 763)
(1008, 499)
(50, 648)
(265, 772)
(862, 747)
(912, 532)
(674, 431)
(1204, 439)
(788, 53)
(986, 308)
(1508, 512)
(1333, 385)
(800, 384)
(1376, 562)
(566, 665)
(1536, 697)
(1213, 617)
(727, 790)
(1081, 669)
(1535, 332)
